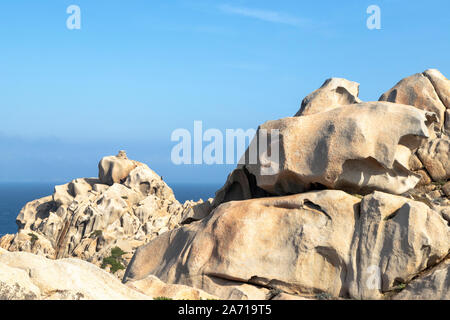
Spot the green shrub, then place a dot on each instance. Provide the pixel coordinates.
(400, 287)
(162, 298)
(34, 238)
(114, 260)
(116, 252)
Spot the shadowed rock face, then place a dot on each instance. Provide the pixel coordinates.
(433, 285)
(358, 148)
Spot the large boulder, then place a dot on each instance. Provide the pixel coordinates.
(418, 91)
(325, 242)
(333, 93)
(357, 148)
(299, 244)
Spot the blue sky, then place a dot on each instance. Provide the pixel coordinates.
(137, 70)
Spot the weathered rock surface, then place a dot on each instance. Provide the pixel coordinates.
(153, 287)
(429, 90)
(27, 276)
(195, 211)
(333, 93)
(299, 244)
(441, 85)
(418, 91)
(287, 297)
(447, 123)
(435, 156)
(358, 148)
(446, 189)
(434, 285)
(396, 239)
(317, 242)
(87, 218)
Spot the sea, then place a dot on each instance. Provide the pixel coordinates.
(13, 196)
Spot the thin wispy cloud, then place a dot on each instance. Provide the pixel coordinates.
(264, 15)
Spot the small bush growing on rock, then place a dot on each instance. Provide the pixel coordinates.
(400, 287)
(162, 298)
(116, 252)
(34, 238)
(113, 260)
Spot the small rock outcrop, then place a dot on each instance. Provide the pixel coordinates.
(333, 93)
(418, 91)
(115, 169)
